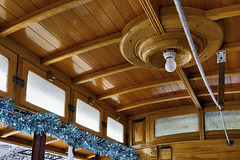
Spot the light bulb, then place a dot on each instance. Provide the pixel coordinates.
(170, 65)
(169, 55)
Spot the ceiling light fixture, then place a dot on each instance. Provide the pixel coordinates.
(169, 55)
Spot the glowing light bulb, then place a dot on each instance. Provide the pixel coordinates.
(170, 65)
(169, 55)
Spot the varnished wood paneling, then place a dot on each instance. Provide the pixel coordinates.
(139, 132)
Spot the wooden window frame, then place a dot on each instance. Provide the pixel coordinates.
(219, 134)
(113, 116)
(27, 66)
(77, 95)
(12, 69)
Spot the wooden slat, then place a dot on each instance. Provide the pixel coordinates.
(102, 73)
(152, 101)
(52, 141)
(140, 87)
(101, 42)
(8, 132)
(40, 14)
(190, 91)
(91, 155)
(224, 12)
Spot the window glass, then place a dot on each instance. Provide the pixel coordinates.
(114, 129)
(87, 116)
(176, 125)
(213, 120)
(3, 72)
(44, 94)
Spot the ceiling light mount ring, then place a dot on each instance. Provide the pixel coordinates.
(141, 46)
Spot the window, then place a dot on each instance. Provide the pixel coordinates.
(3, 73)
(44, 94)
(87, 116)
(213, 120)
(115, 130)
(176, 125)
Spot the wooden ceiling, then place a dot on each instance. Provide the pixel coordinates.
(81, 39)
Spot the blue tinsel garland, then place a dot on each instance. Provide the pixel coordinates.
(42, 123)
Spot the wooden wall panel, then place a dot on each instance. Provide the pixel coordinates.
(144, 154)
(207, 149)
(139, 131)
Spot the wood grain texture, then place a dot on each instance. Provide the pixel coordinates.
(102, 73)
(152, 101)
(141, 86)
(88, 46)
(151, 8)
(189, 89)
(39, 15)
(8, 132)
(224, 12)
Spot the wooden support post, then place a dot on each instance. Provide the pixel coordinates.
(221, 58)
(221, 81)
(201, 125)
(97, 157)
(38, 148)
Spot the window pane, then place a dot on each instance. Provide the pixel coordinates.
(176, 125)
(213, 120)
(114, 130)
(44, 94)
(87, 116)
(3, 73)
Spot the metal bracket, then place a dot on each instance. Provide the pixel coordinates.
(50, 76)
(90, 100)
(71, 107)
(221, 57)
(18, 81)
(231, 142)
(126, 135)
(104, 124)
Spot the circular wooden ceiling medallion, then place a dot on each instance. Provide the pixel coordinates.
(141, 46)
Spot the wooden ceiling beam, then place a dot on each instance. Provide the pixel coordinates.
(214, 74)
(102, 73)
(151, 9)
(141, 86)
(224, 12)
(101, 42)
(234, 46)
(40, 14)
(8, 132)
(152, 101)
(156, 83)
(234, 90)
(189, 89)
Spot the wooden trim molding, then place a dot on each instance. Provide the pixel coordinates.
(224, 12)
(101, 42)
(152, 101)
(40, 14)
(102, 73)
